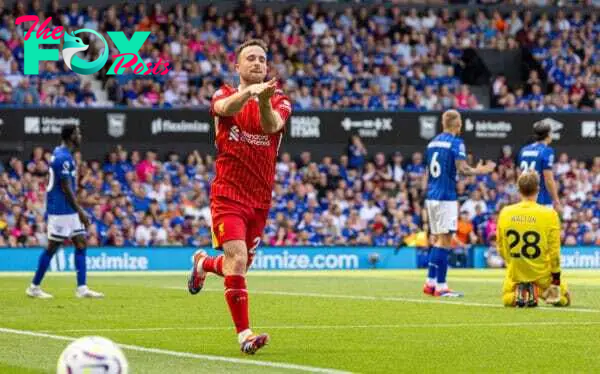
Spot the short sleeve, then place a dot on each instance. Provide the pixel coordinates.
(222, 93)
(459, 150)
(548, 159)
(282, 105)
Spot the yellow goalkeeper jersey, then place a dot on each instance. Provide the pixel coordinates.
(528, 237)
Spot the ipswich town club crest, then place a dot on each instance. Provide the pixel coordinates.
(428, 126)
(116, 124)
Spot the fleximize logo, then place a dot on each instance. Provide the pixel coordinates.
(73, 44)
(101, 262)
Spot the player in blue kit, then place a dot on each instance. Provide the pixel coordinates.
(539, 157)
(66, 219)
(446, 157)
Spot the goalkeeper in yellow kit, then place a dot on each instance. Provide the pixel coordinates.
(528, 237)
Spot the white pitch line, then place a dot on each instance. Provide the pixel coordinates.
(343, 327)
(440, 301)
(277, 365)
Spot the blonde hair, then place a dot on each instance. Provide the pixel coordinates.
(529, 183)
(450, 119)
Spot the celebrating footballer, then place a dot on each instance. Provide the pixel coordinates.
(249, 124)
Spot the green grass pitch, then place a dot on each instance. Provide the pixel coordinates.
(355, 321)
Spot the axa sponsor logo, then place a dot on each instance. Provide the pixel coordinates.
(367, 128)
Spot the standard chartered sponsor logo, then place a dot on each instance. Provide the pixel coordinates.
(578, 260)
(286, 260)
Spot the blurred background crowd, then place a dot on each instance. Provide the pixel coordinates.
(359, 198)
(374, 58)
(377, 55)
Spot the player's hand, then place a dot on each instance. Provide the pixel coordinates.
(85, 220)
(268, 90)
(487, 167)
(552, 294)
(558, 207)
(258, 88)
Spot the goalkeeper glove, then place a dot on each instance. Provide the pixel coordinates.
(552, 293)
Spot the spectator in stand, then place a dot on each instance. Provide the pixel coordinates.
(356, 153)
(146, 169)
(327, 59)
(465, 233)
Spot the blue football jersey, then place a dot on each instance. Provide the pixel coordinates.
(62, 166)
(442, 153)
(538, 157)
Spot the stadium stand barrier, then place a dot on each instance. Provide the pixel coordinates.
(320, 132)
(180, 258)
(267, 258)
(576, 257)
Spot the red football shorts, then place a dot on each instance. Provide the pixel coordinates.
(235, 221)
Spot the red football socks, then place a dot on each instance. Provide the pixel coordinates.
(236, 295)
(213, 265)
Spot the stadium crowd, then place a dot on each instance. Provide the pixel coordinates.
(356, 199)
(361, 58)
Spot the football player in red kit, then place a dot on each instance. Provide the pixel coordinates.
(249, 121)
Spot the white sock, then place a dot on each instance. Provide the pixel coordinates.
(82, 288)
(33, 286)
(441, 286)
(431, 282)
(242, 336)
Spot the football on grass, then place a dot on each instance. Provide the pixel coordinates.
(92, 354)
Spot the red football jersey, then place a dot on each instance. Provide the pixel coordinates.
(246, 155)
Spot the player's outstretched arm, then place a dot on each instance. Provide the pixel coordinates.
(551, 187)
(231, 105)
(270, 120)
(66, 188)
(480, 169)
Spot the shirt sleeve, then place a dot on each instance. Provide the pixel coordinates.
(459, 150)
(282, 105)
(500, 242)
(222, 93)
(548, 159)
(554, 242)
